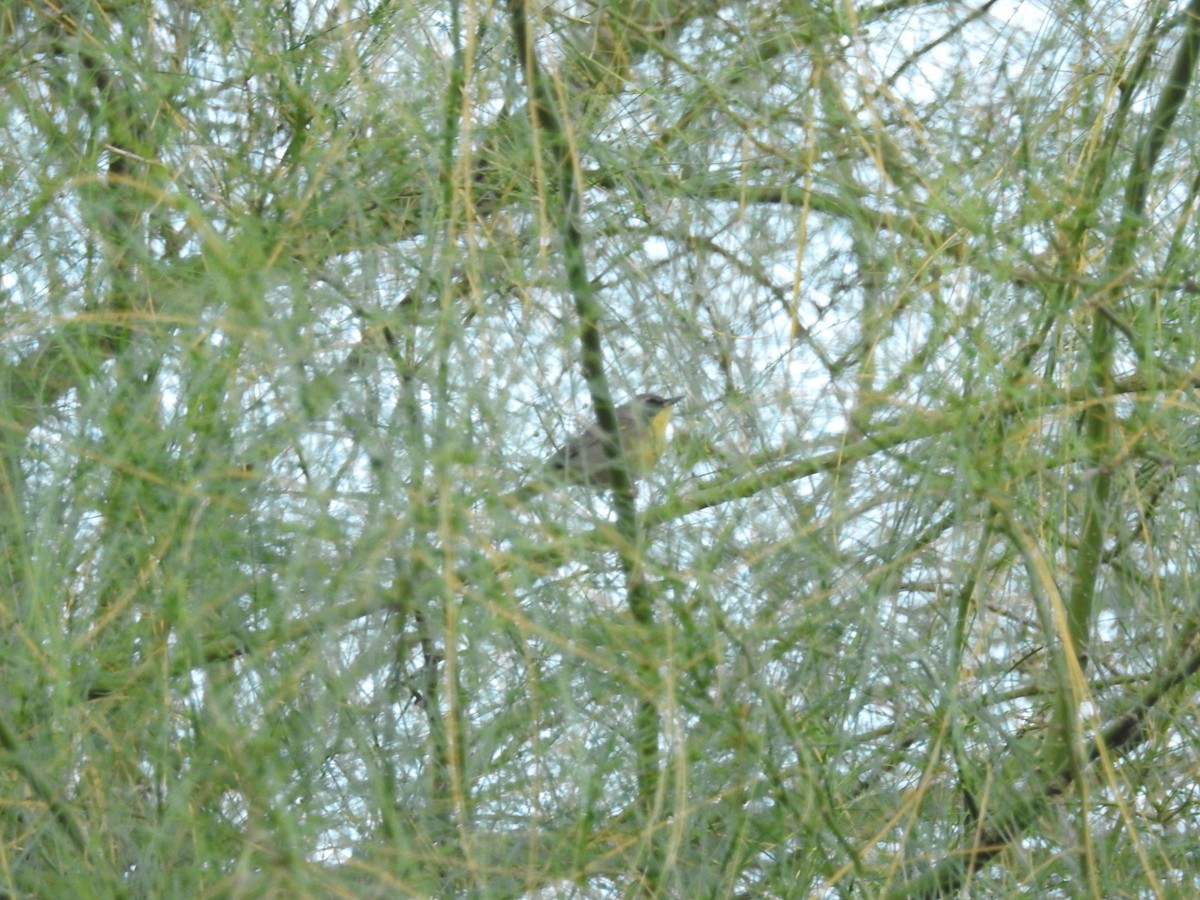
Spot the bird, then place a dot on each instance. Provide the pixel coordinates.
(583, 459)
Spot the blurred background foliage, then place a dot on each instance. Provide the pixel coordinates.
(291, 295)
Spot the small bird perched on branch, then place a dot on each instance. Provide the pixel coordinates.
(583, 459)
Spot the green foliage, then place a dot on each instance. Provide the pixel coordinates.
(294, 297)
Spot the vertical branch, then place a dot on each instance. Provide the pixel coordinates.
(1100, 418)
(433, 541)
(1099, 426)
(544, 113)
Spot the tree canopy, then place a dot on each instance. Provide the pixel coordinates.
(295, 297)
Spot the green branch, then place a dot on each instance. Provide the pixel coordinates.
(568, 213)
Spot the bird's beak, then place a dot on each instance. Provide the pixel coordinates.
(671, 401)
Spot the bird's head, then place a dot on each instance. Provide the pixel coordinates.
(655, 411)
(654, 408)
